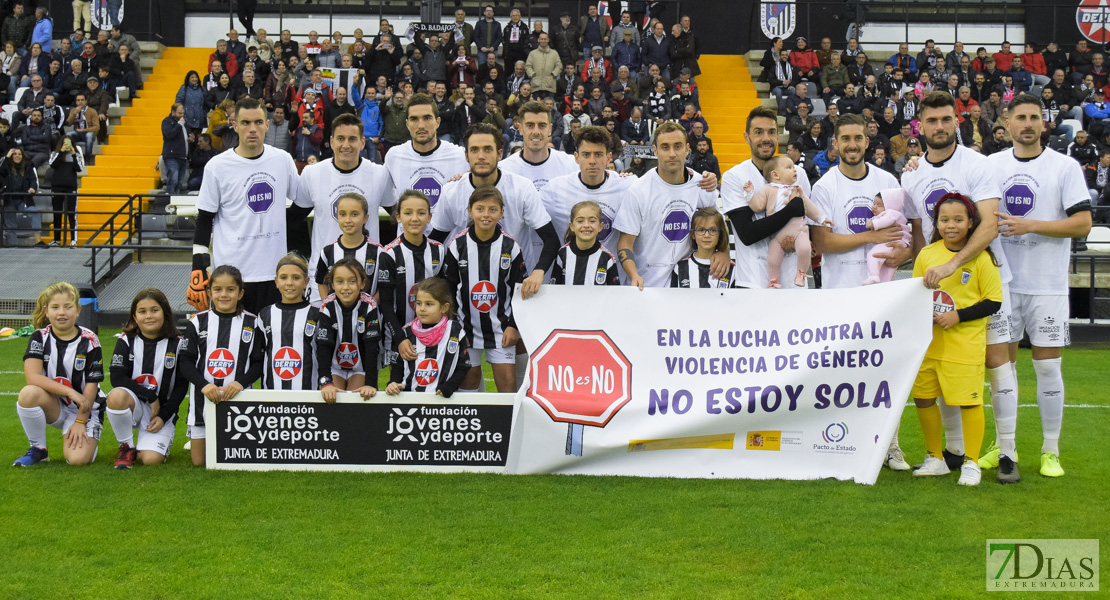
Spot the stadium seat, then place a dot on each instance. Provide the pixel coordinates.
(819, 111)
(1099, 239)
(811, 90)
(154, 227)
(19, 94)
(182, 229)
(1036, 90)
(1076, 124)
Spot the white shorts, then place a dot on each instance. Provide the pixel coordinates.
(998, 327)
(494, 356)
(159, 442)
(195, 421)
(347, 374)
(67, 417)
(1044, 318)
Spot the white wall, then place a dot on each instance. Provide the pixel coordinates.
(887, 36)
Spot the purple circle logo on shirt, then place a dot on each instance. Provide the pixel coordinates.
(1019, 199)
(931, 202)
(606, 228)
(676, 226)
(858, 217)
(260, 197)
(429, 187)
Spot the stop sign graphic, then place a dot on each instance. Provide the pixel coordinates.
(580, 377)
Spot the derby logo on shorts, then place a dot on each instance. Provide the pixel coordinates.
(777, 19)
(1092, 18)
(600, 277)
(309, 328)
(260, 197)
(248, 334)
(942, 302)
(79, 363)
(427, 371)
(171, 360)
(483, 296)
(506, 260)
(346, 355)
(452, 345)
(287, 363)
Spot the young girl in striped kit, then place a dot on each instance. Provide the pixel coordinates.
(442, 348)
(583, 260)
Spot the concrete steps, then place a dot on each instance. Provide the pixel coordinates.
(727, 94)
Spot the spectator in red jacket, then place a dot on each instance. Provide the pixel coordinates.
(599, 61)
(1004, 59)
(805, 61)
(1033, 62)
(227, 59)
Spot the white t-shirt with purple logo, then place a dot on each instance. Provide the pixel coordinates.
(425, 172)
(658, 213)
(847, 203)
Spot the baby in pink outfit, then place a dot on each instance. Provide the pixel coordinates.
(781, 175)
(888, 211)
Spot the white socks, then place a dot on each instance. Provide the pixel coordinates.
(1050, 401)
(1004, 400)
(121, 424)
(521, 368)
(34, 424)
(953, 427)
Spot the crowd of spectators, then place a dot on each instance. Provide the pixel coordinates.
(61, 88)
(814, 87)
(619, 77)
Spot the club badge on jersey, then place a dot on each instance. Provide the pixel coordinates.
(248, 333)
(600, 277)
(79, 363)
(171, 360)
(506, 260)
(965, 277)
(362, 324)
(453, 345)
(309, 328)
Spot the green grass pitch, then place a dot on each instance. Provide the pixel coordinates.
(177, 531)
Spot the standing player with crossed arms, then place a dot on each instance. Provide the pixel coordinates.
(241, 212)
(1044, 203)
(949, 167)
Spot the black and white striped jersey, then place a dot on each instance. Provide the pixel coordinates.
(219, 348)
(402, 265)
(149, 369)
(347, 338)
(437, 368)
(288, 332)
(482, 275)
(693, 272)
(72, 363)
(366, 254)
(574, 266)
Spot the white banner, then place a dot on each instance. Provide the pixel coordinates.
(756, 384)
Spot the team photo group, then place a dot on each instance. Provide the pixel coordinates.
(481, 229)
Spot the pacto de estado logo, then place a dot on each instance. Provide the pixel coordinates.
(580, 378)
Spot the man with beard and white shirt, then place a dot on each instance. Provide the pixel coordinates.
(324, 182)
(654, 221)
(752, 231)
(949, 167)
(1044, 202)
(425, 163)
(846, 195)
(524, 213)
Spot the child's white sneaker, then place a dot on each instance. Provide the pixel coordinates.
(932, 467)
(970, 473)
